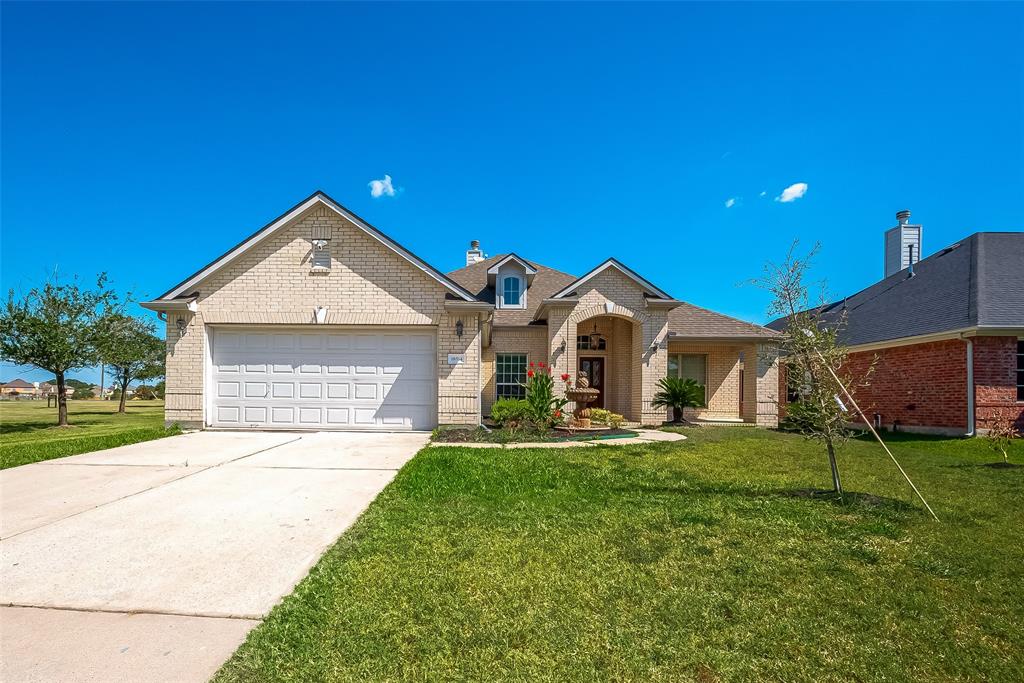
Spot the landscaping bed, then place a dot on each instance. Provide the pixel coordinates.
(498, 435)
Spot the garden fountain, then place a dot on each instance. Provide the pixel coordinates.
(583, 395)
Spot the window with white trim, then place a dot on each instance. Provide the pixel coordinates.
(510, 375)
(690, 366)
(511, 291)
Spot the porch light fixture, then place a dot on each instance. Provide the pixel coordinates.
(459, 328)
(595, 337)
(182, 324)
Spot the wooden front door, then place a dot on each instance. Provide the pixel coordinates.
(594, 367)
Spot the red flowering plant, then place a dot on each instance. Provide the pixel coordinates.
(545, 406)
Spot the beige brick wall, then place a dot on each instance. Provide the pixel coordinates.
(529, 340)
(368, 284)
(723, 381)
(767, 385)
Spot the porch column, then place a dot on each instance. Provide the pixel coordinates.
(767, 386)
(562, 360)
(650, 344)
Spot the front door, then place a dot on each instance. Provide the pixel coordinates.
(594, 367)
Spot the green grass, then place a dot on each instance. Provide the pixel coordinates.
(704, 561)
(28, 434)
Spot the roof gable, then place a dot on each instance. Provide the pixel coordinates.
(285, 219)
(642, 283)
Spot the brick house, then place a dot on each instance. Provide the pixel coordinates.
(946, 333)
(319, 321)
(19, 388)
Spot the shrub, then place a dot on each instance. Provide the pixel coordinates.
(677, 393)
(545, 407)
(510, 411)
(613, 420)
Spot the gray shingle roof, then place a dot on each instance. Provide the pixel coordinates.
(546, 282)
(685, 320)
(977, 282)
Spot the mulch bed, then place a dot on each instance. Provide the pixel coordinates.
(482, 436)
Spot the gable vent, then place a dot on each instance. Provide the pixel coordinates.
(320, 256)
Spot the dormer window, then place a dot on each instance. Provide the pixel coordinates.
(511, 277)
(511, 290)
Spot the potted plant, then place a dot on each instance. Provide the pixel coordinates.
(677, 393)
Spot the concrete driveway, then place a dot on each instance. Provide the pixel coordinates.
(152, 562)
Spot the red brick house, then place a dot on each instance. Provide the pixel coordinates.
(946, 333)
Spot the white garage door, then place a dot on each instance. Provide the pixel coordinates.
(324, 380)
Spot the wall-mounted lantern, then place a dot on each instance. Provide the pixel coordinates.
(181, 324)
(458, 328)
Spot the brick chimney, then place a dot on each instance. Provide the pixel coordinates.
(473, 254)
(902, 244)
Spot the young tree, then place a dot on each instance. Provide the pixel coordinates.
(1001, 432)
(814, 357)
(54, 328)
(131, 350)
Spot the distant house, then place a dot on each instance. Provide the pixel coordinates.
(946, 333)
(18, 388)
(47, 389)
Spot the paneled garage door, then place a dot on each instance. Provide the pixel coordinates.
(324, 380)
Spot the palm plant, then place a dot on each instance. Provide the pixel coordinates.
(678, 393)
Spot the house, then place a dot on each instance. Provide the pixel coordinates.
(319, 320)
(19, 388)
(945, 333)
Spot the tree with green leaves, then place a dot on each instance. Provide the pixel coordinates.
(132, 351)
(54, 328)
(814, 358)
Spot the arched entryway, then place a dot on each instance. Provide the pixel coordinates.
(607, 346)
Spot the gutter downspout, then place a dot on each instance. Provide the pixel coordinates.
(970, 387)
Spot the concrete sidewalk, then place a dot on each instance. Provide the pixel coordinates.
(151, 562)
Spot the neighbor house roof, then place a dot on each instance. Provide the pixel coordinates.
(685, 320)
(186, 286)
(18, 384)
(977, 282)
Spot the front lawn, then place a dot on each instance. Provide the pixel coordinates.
(703, 560)
(28, 434)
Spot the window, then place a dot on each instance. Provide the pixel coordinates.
(511, 291)
(321, 254)
(510, 375)
(583, 343)
(690, 366)
(1020, 369)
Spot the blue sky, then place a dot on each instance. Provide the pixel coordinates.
(144, 139)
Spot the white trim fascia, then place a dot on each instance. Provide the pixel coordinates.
(288, 218)
(612, 263)
(530, 270)
(171, 305)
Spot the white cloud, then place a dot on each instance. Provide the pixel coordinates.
(730, 202)
(763, 193)
(792, 193)
(382, 188)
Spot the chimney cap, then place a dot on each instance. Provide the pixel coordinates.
(903, 215)
(474, 244)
